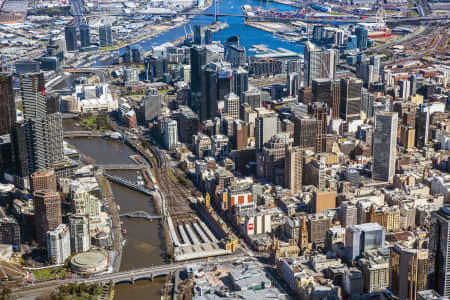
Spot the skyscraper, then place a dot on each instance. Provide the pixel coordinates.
(47, 213)
(43, 129)
(7, 104)
(80, 240)
(362, 36)
(197, 35)
(44, 180)
(319, 112)
(240, 81)
(85, 38)
(170, 133)
(198, 60)
(293, 169)
(312, 63)
(439, 249)
(384, 146)
(208, 36)
(58, 244)
(350, 107)
(231, 104)
(20, 155)
(265, 128)
(105, 36)
(70, 33)
(305, 130)
(408, 271)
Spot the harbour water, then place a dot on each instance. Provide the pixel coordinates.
(249, 36)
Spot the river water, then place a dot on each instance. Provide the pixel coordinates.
(144, 242)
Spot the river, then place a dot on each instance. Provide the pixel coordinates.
(144, 243)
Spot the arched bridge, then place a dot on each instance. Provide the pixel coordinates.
(140, 215)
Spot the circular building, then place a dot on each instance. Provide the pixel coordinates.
(89, 262)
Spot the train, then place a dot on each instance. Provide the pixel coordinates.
(152, 178)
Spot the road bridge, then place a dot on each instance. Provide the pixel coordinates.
(128, 184)
(132, 275)
(140, 215)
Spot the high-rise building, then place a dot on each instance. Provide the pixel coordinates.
(85, 38)
(9, 231)
(312, 63)
(208, 37)
(231, 105)
(234, 53)
(305, 130)
(44, 180)
(209, 93)
(270, 162)
(407, 136)
(384, 146)
(318, 225)
(58, 244)
(152, 105)
(335, 99)
(265, 127)
(323, 200)
(321, 90)
(408, 271)
(170, 133)
(47, 213)
(70, 33)
(363, 237)
(198, 60)
(305, 95)
(293, 81)
(349, 214)
(318, 63)
(20, 155)
(7, 103)
(319, 112)
(293, 169)
(240, 82)
(240, 134)
(43, 127)
(105, 36)
(350, 108)
(439, 249)
(362, 36)
(252, 98)
(197, 35)
(80, 240)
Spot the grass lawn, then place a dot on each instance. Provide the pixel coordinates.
(49, 273)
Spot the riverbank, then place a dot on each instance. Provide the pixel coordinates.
(116, 228)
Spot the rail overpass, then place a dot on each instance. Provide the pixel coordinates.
(75, 134)
(122, 166)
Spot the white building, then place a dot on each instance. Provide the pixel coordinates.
(89, 99)
(83, 199)
(131, 76)
(219, 146)
(80, 240)
(58, 244)
(232, 104)
(170, 133)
